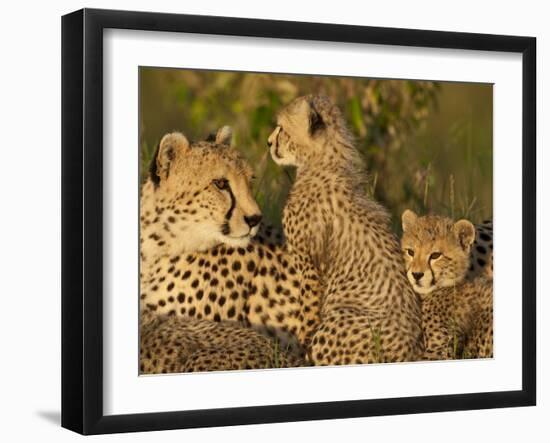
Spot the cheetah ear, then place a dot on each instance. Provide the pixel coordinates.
(316, 122)
(465, 232)
(169, 148)
(311, 117)
(408, 219)
(224, 135)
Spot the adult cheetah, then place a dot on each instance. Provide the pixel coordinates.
(457, 312)
(369, 312)
(205, 254)
(171, 344)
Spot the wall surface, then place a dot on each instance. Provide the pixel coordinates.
(30, 221)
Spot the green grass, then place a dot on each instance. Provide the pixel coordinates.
(278, 352)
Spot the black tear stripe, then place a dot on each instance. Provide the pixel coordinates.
(233, 203)
(433, 273)
(153, 172)
(225, 227)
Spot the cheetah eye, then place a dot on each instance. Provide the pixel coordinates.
(435, 255)
(410, 252)
(221, 183)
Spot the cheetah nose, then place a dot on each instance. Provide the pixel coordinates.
(253, 220)
(417, 275)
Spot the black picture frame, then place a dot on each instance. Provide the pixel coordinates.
(82, 219)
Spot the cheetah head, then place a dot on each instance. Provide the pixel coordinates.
(436, 250)
(303, 128)
(198, 195)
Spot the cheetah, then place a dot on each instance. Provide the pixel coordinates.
(481, 257)
(368, 313)
(457, 312)
(171, 344)
(205, 252)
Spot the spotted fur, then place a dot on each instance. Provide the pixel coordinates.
(481, 257)
(197, 271)
(176, 344)
(368, 312)
(197, 196)
(457, 312)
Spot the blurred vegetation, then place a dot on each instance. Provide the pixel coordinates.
(428, 146)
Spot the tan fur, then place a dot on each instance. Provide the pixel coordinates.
(458, 321)
(175, 344)
(187, 205)
(426, 237)
(255, 283)
(481, 257)
(457, 312)
(368, 313)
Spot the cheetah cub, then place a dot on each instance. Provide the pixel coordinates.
(368, 312)
(457, 313)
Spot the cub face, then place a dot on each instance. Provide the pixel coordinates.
(299, 132)
(201, 192)
(436, 250)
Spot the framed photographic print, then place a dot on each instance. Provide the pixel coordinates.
(270, 221)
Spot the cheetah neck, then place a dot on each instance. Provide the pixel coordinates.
(337, 158)
(156, 244)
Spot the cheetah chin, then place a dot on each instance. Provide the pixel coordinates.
(239, 241)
